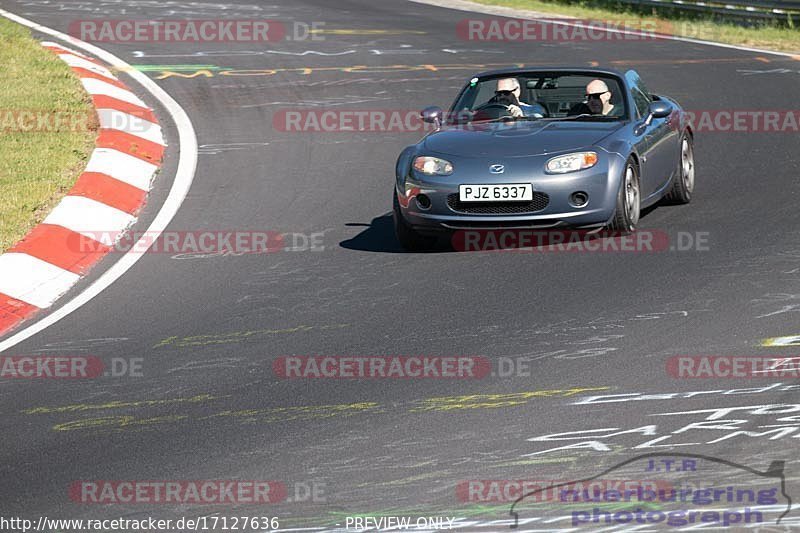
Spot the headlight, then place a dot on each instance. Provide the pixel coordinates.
(571, 162)
(433, 166)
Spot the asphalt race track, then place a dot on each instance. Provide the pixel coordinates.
(206, 330)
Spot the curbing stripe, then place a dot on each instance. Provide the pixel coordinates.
(130, 144)
(62, 247)
(89, 217)
(93, 86)
(106, 102)
(13, 311)
(178, 190)
(84, 73)
(33, 281)
(60, 49)
(131, 124)
(121, 166)
(100, 206)
(80, 62)
(110, 191)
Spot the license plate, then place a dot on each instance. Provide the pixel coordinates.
(519, 192)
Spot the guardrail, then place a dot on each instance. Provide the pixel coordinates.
(782, 11)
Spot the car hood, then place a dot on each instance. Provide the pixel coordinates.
(517, 139)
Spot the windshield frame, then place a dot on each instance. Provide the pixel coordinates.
(450, 118)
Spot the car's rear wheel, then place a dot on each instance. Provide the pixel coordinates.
(683, 185)
(409, 239)
(626, 214)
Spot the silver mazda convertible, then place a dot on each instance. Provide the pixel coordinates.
(543, 148)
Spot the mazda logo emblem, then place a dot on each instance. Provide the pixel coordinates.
(497, 169)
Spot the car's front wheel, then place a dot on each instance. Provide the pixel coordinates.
(626, 214)
(409, 239)
(683, 184)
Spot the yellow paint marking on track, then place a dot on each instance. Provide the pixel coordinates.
(792, 340)
(307, 412)
(494, 401)
(78, 407)
(117, 422)
(204, 73)
(294, 413)
(239, 336)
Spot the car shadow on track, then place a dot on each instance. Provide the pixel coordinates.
(378, 236)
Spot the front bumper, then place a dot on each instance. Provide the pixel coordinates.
(600, 182)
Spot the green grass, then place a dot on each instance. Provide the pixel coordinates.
(37, 167)
(771, 37)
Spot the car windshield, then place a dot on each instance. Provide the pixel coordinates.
(540, 96)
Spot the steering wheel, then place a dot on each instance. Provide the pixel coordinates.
(492, 112)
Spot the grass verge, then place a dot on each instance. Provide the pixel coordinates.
(767, 36)
(47, 131)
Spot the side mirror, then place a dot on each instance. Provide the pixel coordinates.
(432, 115)
(657, 109)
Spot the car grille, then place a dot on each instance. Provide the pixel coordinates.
(539, 202)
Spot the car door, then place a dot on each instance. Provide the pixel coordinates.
(661, 140)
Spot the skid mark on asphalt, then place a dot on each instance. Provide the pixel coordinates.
(239, 336)
(292, 413)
